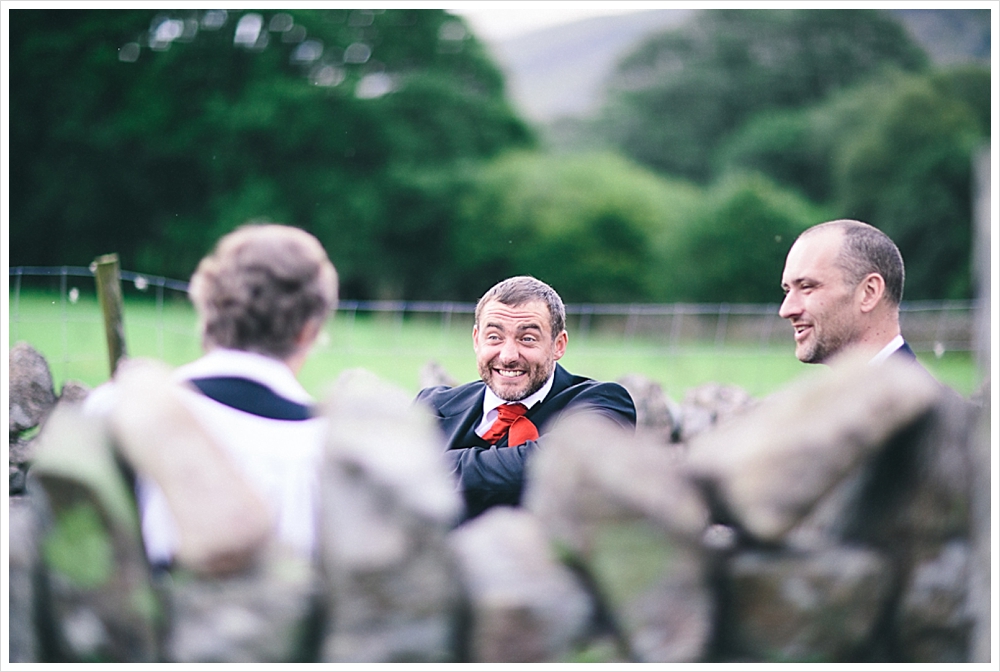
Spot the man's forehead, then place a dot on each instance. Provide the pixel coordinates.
(533, 312)
(813, 255)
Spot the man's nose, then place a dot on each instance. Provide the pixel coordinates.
(509, 351)
(789, 306)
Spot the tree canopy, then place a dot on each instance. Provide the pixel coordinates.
(152, 133)
(680, 93)
(387, 134)
(838, 106)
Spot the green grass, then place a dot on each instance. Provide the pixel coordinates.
(71, 337)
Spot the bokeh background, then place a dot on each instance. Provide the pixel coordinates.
(646, 156)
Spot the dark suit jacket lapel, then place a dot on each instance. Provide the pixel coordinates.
(541, 412)
(462, 412)
(460, 415)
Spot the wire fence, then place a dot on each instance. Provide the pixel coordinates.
(160, 306)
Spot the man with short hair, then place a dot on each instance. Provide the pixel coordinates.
(494, 425)
(843, 282)
(262, 297)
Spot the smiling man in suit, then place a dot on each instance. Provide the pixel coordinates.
(843, 282)
(494, 425)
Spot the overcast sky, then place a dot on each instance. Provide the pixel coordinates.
(500, 19)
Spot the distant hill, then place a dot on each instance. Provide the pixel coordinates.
(557, 72)
(560, 72)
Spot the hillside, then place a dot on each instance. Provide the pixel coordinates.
(559, 72)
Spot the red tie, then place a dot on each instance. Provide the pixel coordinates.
(511, 417)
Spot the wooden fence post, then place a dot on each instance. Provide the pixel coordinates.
(109, 294)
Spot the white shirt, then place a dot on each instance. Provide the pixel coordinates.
(491, 402)
(279, 458)
(891, 347)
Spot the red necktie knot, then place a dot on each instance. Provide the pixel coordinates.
(507, 414)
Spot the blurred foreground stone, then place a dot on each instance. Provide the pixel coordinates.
(24, 533)
(222, 523)
(32, 399)
(32, 395)
(526, 607)
(267, 613)
(765, 470)
(815, 606)
(843, 519)
(620, 506)
(433, 374)
(657, 415)
(103, 606)
(387, 505)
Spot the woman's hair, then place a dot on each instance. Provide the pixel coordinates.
(260, 286)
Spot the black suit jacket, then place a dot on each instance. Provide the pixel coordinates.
(493, 475)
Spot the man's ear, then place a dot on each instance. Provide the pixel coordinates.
(560, 345)
(870, 291)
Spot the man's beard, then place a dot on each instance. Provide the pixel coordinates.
(537, 375)
(825, 345)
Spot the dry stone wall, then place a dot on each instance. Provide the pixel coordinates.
(838, 520)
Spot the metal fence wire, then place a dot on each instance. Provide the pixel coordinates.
(929, 326)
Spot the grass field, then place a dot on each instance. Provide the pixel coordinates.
(70, 335)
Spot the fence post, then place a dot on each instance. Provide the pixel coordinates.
(109, 295)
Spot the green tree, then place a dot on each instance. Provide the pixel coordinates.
(909, 172)
(896, 152)
(152, 133)
(590, 224)
(733, 250)
(683, 92)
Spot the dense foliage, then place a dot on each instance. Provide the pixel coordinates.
(895, 151)
(839, 106)
(150, 134)
(682, 92)
(387, 134)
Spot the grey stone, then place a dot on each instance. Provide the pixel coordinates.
(18, 478)
(620, 507)
(30, 388)
(819, 606)
(525, 605)
(23, 536)
(73, 392)
(768, 467)
(919, 489)
(19, 453)
(914, 491)
(693, 421)
(656, 414)
(101, 595)
(433, 374)
(981, 530)
(19, 450)
(711, 404)
(388, 502)
(934, 622)
(222, 523)
(262, 614)
(912, 502)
